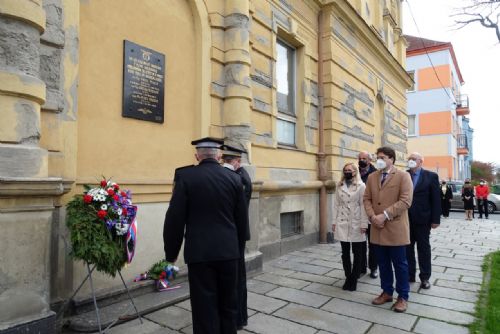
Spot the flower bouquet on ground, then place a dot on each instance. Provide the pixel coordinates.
(163, 272)
(103, 226)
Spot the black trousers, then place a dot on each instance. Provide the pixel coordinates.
(214, 301)
(445, 207)
(372, 259)
(482, 206)
(352, 271)
(419, 234)
(242, 317)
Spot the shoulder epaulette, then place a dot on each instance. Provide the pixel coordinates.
(179, 168)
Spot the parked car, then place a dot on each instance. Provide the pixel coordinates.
(457, 203)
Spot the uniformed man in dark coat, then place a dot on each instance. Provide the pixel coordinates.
(208, 209)
(231, 157)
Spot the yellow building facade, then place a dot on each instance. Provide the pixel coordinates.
(303, 85)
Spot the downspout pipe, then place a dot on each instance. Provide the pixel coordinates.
(322, 170)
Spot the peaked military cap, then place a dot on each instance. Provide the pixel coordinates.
(208, 142)
(228, 150)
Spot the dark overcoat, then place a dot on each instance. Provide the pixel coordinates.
(208, 208)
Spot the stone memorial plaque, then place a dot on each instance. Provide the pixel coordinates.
(143, 83)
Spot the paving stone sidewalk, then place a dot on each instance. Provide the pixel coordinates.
(301, 292)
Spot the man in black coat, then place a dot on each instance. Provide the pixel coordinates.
(424, 214)
(208, 209)
(365, 169)
(446, 197)
(231, 157)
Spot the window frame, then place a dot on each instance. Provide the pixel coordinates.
(290, 114)
(298, 224)
(414, 134)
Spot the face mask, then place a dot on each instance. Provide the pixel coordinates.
(412, 164)
(362, 163)
(348, 175)
(380, 164)
(481, 183)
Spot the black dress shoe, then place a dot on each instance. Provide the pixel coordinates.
(374, 273)
(425, 284)
(412, 279)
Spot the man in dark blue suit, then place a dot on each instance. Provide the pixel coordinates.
(424, 214)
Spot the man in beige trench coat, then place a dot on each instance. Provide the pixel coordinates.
(387, 197)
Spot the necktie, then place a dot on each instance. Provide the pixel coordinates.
(384, 176)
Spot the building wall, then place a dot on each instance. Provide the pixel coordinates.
(433, 102)
(220, 80)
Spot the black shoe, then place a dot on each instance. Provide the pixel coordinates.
(352, 285)
(346, 285)
(412, 279)
(374, 273)
(425, 284)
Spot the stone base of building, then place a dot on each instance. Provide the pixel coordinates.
(43, 325)
(287, 245)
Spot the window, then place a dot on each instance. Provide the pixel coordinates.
(412, 76)
(290, 223)
(285, 77)
(412, 129)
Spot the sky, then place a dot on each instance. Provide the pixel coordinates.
(478, 55)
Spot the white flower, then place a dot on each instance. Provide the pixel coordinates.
(104, 207)
(99, 198)
(119, 211)
(121, 229)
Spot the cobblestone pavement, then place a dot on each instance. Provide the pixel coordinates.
(301, 292)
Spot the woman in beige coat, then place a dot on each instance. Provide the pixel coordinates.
(350, 222)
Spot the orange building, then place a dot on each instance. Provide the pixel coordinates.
(436, 107)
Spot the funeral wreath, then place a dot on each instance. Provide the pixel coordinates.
(103, 227)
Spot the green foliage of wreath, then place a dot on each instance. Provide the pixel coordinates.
(91, 240)
(157, 268)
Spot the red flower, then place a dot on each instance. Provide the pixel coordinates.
(116, 198)
(104, 183)
(116, 186)
(163, 274)
(124, 194)
(101, 214)
(124, 211)
(87, 199)
(110, 191)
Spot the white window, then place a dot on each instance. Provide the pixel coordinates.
(412, 122)
(412, 76)
(285, 77)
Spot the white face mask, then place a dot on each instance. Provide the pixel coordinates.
(481, 183)
(380, 164)
(412, 164)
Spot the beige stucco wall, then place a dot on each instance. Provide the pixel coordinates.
(221, 81)
(364, 100)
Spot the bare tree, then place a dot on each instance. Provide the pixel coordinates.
(486, 12)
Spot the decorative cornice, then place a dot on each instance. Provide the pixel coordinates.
(51, 186)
